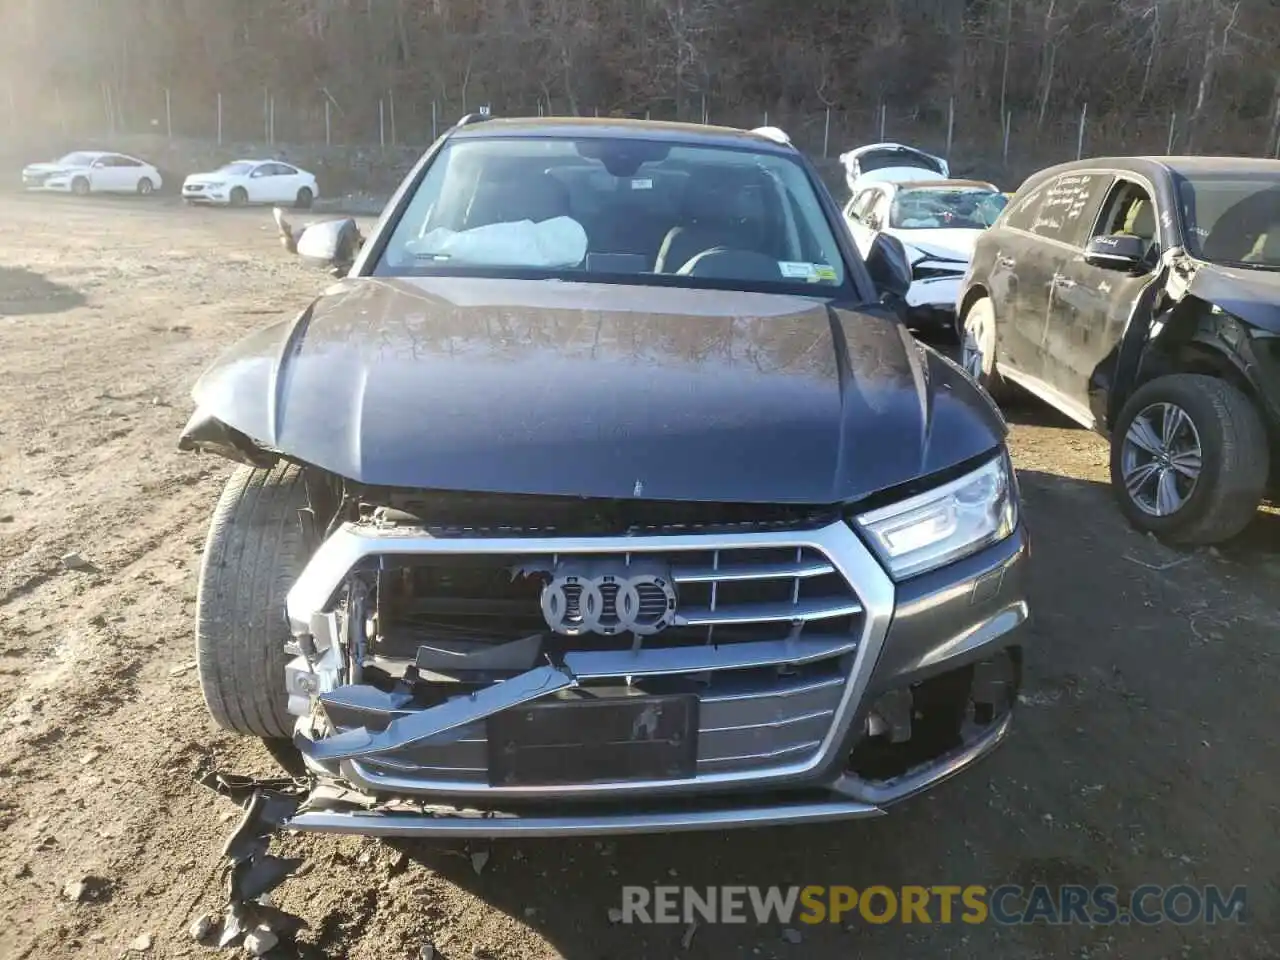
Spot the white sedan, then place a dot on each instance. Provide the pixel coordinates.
(93, 171)
(243, 182)
(938, 222)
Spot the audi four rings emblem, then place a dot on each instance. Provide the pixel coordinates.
(608, 597)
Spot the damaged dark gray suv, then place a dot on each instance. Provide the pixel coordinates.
(604, 493)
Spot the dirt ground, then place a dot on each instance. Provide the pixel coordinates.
(1145, 751)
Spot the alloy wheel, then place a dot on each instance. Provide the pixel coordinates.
(972, 345)
(1161, 459)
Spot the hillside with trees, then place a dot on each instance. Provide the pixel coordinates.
(1207, 69)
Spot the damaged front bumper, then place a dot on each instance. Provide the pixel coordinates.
(866, 696)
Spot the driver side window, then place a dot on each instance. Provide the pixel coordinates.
(1130, 211)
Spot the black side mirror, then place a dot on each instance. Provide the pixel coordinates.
(331, 243)
(1120, 251)
(889, 266)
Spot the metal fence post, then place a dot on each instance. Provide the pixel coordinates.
(110, 106)
(1173, 122)
(884, 119)
(168, 112)
(219, 119)
(951, 124)
(391, 101)
(328, 124)
(1008, 129)
(382, 124)
(434, 121)
(826, 135)
(1084, 116)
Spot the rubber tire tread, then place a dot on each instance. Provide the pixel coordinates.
(253, 554)
(1233, 443)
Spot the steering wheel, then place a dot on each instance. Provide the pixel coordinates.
(725, 263)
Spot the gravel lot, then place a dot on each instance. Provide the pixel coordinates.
(1145, 752)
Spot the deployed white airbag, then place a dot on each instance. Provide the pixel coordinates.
(559, 242)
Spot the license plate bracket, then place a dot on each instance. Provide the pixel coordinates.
(583, 741)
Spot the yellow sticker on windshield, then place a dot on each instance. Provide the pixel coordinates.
(824, 272)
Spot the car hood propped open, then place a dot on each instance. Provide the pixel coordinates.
(599, 390)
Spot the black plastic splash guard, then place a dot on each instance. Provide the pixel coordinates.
(588, 741)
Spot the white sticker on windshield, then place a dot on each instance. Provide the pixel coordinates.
(798, 271)
(642, 184)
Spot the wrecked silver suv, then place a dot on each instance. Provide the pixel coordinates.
(604, 494)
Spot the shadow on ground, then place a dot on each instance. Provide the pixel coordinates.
(1126, 734)
(26, 293)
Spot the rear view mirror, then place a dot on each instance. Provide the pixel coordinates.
(1121, 251)
(889, 266)
(330, 243)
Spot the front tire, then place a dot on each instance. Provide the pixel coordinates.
(239, 197)
(254, 553)
(146, 187)
(80, 187)
(978, 349)
(305, 199)
(1189, 459)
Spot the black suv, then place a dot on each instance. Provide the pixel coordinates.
(1141, 297)
(603, 494)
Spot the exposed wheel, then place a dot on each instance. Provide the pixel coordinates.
(254, 553)
(305, 199)
(1189, 459)
(146, 187)
(239, 197)
(80, 186)
(978, 348)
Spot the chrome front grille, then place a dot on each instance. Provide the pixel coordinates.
(745, 723)
(769, 633)
(723, 596)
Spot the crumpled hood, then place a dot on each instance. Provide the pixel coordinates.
(599, 390)
(948, 244)
(1251, 295)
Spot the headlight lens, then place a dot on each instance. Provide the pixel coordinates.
(932, 529)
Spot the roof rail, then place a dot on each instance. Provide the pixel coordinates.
(478, 117)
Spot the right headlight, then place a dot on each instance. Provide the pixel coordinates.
(947, 523)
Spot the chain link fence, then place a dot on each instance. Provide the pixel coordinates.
(975, 145)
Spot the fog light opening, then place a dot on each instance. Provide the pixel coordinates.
(910, 726)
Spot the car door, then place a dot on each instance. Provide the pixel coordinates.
(288, 183)
(102, 174)
(1091, 305)
(860, 216)
(128, 172)
(261, 184)
(1052, 221)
